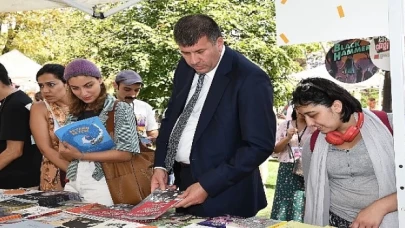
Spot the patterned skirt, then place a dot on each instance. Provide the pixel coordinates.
(289, 197)
(336, 221)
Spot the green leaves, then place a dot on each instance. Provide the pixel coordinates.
(141, 39)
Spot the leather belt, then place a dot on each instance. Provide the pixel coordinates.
(183, 165)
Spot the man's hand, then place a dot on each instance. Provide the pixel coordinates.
(159, 180)
(195, 194)
(369, 217)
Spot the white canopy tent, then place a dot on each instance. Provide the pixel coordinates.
(87, 6)
(21, 69)
(343, 20)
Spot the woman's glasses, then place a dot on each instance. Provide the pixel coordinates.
(306, 86)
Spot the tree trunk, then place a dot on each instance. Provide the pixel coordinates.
(387, 96)
(11, 33)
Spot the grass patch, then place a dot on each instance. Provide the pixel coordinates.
(270, 186)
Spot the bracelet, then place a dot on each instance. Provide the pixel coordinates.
(81, 157)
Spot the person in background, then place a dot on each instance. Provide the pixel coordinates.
(88, 98)
(38, 97)
(289, 197)
(20, 159)
(128, 85)
(350, 174)
(46, 117)
(219, 125)
(371, 103)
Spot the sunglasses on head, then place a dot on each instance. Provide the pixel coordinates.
(306, 86)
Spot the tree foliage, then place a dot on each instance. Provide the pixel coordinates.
(140, 38)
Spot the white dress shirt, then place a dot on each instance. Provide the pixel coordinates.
(186, 140)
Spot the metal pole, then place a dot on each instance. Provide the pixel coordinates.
(396, 35)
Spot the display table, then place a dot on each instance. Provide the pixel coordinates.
(30, 208)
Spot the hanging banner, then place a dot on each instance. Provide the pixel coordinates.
(349, 61)
(380, 52)
(307, 21)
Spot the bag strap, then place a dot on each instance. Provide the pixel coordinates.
(314, 136)
(380, 114)
(110, 120)
(384, 118)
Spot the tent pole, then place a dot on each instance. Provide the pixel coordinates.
(99, 15)
(396, 35)
(120, 7)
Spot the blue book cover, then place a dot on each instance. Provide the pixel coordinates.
(88, 135)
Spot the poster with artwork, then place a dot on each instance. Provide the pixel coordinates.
(349, 61)
(380, 52)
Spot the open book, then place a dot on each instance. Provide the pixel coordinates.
(88, 135)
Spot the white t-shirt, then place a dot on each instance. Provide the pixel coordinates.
(145, 117)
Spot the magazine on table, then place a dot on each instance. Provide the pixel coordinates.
(155, 205)
(36, 211)
(50, 198)
(88, 135)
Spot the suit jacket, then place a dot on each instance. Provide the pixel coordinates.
(234, 135)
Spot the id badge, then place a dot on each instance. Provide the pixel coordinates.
(297, 152)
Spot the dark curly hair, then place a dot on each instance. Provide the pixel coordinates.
(55, 69)
(320, 91)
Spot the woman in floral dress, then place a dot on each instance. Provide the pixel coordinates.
(47, 116)
(289, 198)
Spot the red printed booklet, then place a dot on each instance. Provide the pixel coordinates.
(152, 207)
(155, 205)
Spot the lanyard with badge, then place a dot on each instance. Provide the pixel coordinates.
(296, 151)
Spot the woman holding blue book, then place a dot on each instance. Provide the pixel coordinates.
(89, 98)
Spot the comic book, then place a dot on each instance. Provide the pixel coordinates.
(88, 135)
(219, 222)
(50, 198)
(155, 205)
(114, 223)
(68, 220)
(26, 223)
(36, 211)
(6, 216)
(11, 205)
(252, 222)
(84, 209)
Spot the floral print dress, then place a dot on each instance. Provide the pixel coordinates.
(52, 178)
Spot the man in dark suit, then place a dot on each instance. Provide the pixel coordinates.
(219, 125)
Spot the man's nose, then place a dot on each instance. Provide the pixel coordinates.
(194, 59)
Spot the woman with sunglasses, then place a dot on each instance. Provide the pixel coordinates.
(89, 98)
(350, 174)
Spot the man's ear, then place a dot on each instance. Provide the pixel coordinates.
(115, 85)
